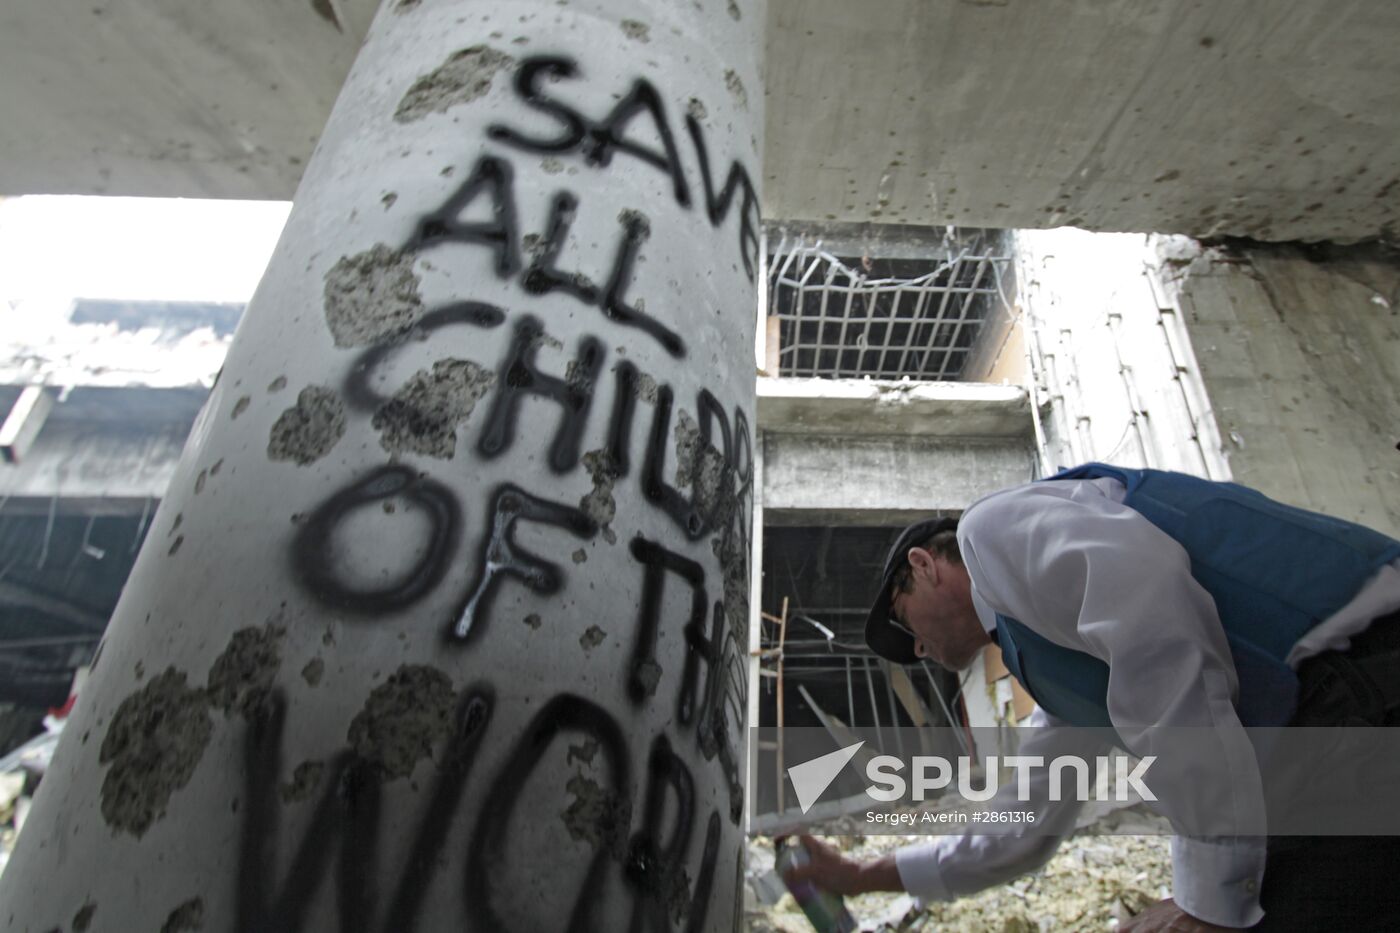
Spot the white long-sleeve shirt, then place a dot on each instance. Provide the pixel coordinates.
(1073, 563)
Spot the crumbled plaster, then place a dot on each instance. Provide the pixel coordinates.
(156, 739)
(597, 816)
(465, 76)
(308, 430)
(372, 296)
(404, 719)
(599, 504)
(305, 779)
(422, 417)
(242, 676)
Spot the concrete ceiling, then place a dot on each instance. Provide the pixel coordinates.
(1255, 117)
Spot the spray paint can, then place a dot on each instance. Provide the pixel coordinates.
(826, 911)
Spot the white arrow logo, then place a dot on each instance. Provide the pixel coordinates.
(811, 778)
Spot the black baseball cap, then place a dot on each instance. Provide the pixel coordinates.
(890, 641)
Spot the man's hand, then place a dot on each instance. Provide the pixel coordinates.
(1166, 917)
(831, 871)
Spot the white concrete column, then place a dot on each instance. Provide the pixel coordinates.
(443, 622)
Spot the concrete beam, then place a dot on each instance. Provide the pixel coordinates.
(22, 424)
(870, 406)
(867, 480)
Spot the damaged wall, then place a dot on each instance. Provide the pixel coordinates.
(1300, 352)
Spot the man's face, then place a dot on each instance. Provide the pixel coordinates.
(937, 609)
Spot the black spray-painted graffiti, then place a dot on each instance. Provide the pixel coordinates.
(501, 555)
(714, 455)
(347, 815)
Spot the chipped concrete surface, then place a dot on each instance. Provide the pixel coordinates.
(597, 816)
(592, 637)
(648, 675)
(404, 719)
(188, 916)
(687, 434)
(240, 406)
(465, 76)
(646, 388)
(242, 676)
(308, 430)
(583, 752)
(422, 417)
(579, 556)
(636, 30)
(599, 504)
(313, 671)
(278, 384)
(736, 87)
(533, 620)
(697, 109)
(156, 739)
(372, 296)
(305, 779)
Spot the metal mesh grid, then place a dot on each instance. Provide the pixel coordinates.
(882, 318)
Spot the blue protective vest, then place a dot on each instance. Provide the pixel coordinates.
(1274, 572)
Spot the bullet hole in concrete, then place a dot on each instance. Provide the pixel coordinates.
(533, 620)
(313, 671)
(734, 13)
(305, 779)
(188, 916)
(636, 30)
(140, 671)
(83, 918)
(1207, 42)
(404, 6)
(214, 470)
(599, 504)
(579, 556)
(465, 76)
(388, 200)
(403, 719)
(156, 738)
(176, 546)
(200, 480)
(597, 816)
(278, 384)
(583, 752)
(592, 637)
(648, 676)
(697, 109)
(552, 166)
(242, 676)
(1171, 175)
(736, 88)
(422, 417)
(240, 406)
(308, 430)
(371, 296)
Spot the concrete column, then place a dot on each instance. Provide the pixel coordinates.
(443, 622)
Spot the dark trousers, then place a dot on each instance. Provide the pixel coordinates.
(1344, 883)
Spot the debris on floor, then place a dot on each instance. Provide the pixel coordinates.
(1094, 882)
